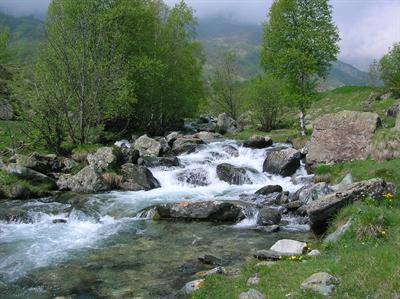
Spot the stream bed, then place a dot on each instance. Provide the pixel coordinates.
(96, 246)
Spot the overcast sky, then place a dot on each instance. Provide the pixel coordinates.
(367, 27)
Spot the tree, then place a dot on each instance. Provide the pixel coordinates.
(79, 79)
(390, 69)
(374, 74)
(225, 85)
(300, 42)
(267, 97)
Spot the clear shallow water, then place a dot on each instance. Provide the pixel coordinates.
(105, 251)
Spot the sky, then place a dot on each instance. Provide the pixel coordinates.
(367, 27)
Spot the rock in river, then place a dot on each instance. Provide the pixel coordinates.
(218, 211)
(284, 162)
(233, 174)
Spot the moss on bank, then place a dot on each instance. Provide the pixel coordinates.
(367, 266)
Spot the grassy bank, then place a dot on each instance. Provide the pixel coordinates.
(366, 260)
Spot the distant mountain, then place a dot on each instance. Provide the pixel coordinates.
(221, 34)
(26, 35)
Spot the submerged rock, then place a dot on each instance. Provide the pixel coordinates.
(268, 216)
(219, 211)
(321, 283)
(196, 177)
(282, 162)
(233, 174)
(325, 208)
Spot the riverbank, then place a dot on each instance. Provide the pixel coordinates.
(365, 259)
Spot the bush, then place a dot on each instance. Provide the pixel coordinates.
(390, 69)
(267, 97)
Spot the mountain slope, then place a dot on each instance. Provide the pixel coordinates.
(26, 35)
(220, 34)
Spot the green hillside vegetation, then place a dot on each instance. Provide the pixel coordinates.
(26, 35)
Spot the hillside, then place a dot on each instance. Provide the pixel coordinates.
(26, 35)
(221, 34)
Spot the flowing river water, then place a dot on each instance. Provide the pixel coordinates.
(96, 246)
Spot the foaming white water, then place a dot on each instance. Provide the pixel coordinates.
(41, 242)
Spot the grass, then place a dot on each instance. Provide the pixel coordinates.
(363, 170)
(350, 98)
(366, 260)
(8, 182)
(282, 135)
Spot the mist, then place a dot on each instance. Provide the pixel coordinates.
(368, 28)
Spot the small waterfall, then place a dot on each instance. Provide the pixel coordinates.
(250, 220)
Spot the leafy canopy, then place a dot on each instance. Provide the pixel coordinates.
(390, 69)
(300, 42)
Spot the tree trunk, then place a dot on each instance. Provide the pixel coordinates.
(302, 124)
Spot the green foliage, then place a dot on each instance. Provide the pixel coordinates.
(225, 85)
(163, 62)
(4, 54)
(300, 42)
(267, 97)
(390, 69)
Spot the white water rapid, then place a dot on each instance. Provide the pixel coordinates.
(72, 228)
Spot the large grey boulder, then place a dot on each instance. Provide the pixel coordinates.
(233, 174)
(28, 174)
(88, 180)
(323, 210)
(257, 141)
(147, 146)
(136, 178)
(339, 232)
(226, 124)
(214, 211)
(185, 145)
(283, 162)
(342, 136)
(105, 158)
(321, 283)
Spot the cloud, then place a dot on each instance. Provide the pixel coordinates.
(25, 7)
